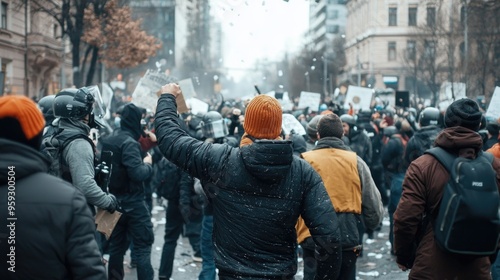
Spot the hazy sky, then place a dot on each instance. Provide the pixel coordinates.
(256, 29)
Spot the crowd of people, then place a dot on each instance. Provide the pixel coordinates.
(249, 197)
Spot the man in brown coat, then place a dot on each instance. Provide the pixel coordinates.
(422, 192)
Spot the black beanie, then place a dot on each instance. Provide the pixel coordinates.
(463, 112)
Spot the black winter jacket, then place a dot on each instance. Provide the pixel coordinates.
(260, 191)
(54, 234)
(129, 171)
(421, 140)
(360, 143)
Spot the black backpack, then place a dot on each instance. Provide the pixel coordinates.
(52, 148)
(468, 221)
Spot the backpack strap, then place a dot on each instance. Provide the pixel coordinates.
(445, 158)
(489, 156)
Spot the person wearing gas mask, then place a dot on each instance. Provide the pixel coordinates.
(78, 111)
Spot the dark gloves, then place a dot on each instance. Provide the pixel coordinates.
(329, 258)
(113, 206)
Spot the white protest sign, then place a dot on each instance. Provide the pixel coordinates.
(291, 123)
(359, 97)
(144, 94)
(309, 99)
(187, 88)
(494, 107)
(197, 106)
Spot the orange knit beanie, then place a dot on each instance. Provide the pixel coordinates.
(263, 117)
(26, 112)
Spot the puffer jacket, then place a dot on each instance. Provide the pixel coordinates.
(422, 192)
(54, 231)
(259, 192)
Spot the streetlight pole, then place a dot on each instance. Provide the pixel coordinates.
(325, 73)
(358, 65)
(308, 82)
(466, 41)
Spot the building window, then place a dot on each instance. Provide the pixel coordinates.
(391, 51)
(431, 16)
(332, 29)
(3, 12)
(393, 16)
(411, 49)
(412, 16)
(333, 14)
(429, 49)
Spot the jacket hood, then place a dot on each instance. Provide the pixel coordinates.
(331, 142)
(268, 160)
(457, 137)
(131, 120)
(23, 158)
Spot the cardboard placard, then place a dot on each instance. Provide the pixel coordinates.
(106, 221)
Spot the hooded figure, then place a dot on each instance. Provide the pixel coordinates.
(129, 171)
(131, 120)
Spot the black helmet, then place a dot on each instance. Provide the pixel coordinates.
(77, 103)
(46, 105)
(350, 120)
(213, 125)
(429, 116)
(73, 103)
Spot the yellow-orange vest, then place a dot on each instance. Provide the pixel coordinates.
(339, 171)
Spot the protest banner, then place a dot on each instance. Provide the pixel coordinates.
(145, 94)
(493, 111)
(197, 106)
(309, 99)
(187, 88)
(289, 123)
(359, 97)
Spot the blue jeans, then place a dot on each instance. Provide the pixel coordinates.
(207, 249)
(396, 191)
(136, 223)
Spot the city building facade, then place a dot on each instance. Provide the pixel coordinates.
(32, 52)
(418, 46)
